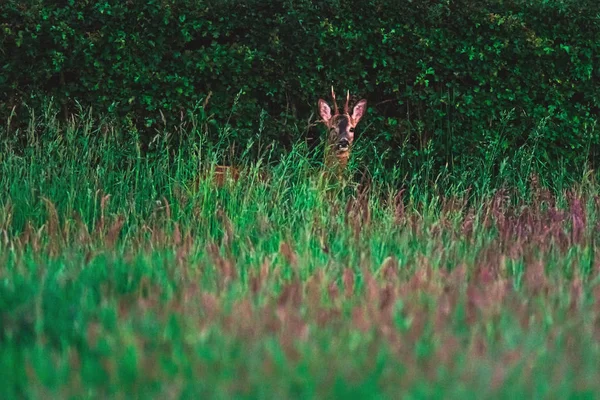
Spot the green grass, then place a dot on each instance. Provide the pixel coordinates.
(122, 277)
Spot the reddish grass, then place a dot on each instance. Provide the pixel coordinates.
(460, 309)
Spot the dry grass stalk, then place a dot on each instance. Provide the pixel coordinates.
(52, 228)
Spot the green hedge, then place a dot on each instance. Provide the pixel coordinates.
(450, 79)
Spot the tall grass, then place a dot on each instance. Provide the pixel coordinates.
(127, 272)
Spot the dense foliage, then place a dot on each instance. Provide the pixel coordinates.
(449, 80)
(460, 263)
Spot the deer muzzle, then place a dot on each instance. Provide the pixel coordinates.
(343, 145)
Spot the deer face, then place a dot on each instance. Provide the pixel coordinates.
(341, 125)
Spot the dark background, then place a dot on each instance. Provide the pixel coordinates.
(450, 80)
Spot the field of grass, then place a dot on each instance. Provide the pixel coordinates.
(125, 274)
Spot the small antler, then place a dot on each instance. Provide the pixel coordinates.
(335, 107)
(346, 108)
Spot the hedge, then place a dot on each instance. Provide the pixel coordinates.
(450, 78)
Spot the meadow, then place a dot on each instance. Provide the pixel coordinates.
(130, 274)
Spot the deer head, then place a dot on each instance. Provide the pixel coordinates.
(341, 126)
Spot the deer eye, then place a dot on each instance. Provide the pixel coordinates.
(352, 130)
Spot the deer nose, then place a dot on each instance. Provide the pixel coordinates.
(343, 144)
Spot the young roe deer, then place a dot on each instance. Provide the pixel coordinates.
(339, 142)
(341, 128)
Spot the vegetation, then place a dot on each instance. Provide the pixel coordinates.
(455, 258)
(126, 274)
(445, 80)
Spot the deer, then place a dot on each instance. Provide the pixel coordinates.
(341, 129)
(340, 137)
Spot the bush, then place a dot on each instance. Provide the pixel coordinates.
(447, 81)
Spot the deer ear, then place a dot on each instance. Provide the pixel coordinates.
(359, 110)
(324, 110)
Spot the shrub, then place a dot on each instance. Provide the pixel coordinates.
(447, 81)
